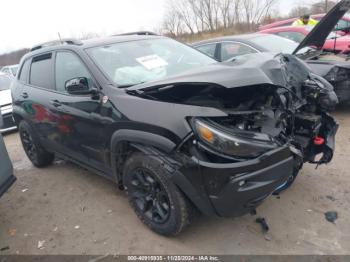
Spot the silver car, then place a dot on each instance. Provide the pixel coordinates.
(10, 70)
(6, 104)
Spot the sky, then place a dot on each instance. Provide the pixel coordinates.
(26, 23)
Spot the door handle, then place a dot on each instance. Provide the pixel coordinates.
(56, 103)
(24, 95)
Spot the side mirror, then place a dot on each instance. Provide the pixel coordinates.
(78, 86)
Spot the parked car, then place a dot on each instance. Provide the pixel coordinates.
(6, 170)
(10, 70)
(335, 42)
(174, 128)
(343, 25)
(333, 67)
(6, 104)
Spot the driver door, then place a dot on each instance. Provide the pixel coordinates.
(79, 127)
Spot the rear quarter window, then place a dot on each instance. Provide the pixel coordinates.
(41, 71)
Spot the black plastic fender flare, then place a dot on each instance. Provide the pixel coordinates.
(139, 137)
(156, 145)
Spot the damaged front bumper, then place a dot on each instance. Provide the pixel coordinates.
(230, 189)
(238, 188)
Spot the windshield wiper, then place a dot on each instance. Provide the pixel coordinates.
(130, 85)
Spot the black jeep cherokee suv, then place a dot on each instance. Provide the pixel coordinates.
(172, 127)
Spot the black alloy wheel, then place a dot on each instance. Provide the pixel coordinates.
(36, 153)
(28, 145)
(149, 196)
(155, 198)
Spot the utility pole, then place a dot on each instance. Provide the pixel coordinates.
(326, 6)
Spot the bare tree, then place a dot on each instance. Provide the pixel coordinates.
(255, 11)
(298, 11)
(195, 16)
(172, 23)
(322, 7)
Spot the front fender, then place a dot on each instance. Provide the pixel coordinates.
(127, 136)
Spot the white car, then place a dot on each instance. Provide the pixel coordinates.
(6, 103)
(10, 70)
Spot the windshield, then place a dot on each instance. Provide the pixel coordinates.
(277, 44)
(332, 35)
(134, 62)
(4, 83)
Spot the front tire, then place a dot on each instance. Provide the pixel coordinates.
(32, 147)
(156, 200)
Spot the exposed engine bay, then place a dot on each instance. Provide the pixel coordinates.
(292, 111)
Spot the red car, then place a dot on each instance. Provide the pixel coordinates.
(343, 24)
(298, 33)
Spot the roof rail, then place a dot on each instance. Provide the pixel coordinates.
(67, 41)
(137, 33)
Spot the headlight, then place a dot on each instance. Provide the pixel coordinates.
(231, 144)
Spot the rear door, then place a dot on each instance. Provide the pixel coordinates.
(39, 97)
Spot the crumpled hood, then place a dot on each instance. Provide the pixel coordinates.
(319, 34)
(248, 70)
(5, 97)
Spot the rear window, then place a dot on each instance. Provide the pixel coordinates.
(41, 71)
(4, 83)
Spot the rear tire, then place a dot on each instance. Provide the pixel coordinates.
(32, 147)
(156, 200)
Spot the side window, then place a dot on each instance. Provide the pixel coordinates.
(69, 66)
(23, 77)
(230, 50)
(208, 49)
(294, 36)
(41, 73)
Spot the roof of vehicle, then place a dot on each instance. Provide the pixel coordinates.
(286, 28)
(281, 22)
(9, 66)
(241, 38)
(77, 44)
